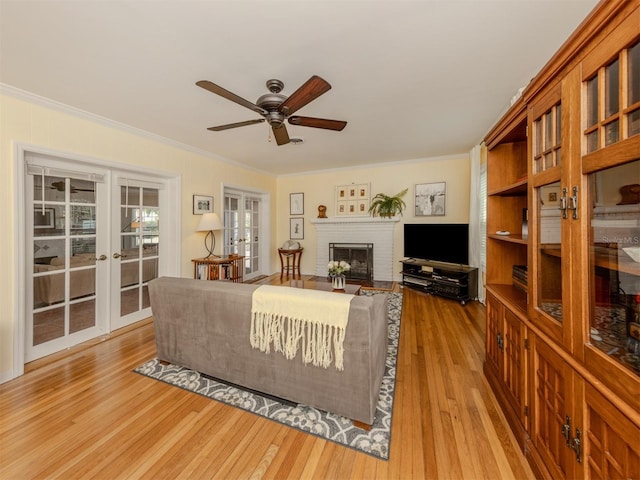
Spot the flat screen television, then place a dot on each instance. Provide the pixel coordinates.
(440, 242)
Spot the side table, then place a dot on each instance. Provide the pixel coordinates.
(219, 268)
(292, 258)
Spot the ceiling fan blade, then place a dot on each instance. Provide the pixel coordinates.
(309, 91)
(218, 90)
(219, 128)
(318, 123)
(281, 135)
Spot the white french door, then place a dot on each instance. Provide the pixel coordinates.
(66, 263)
(92, 245)
(242, 229)
(136, 247)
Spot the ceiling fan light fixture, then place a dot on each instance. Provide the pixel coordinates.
(296, 140)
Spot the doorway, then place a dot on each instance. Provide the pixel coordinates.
(245, 225)
(91, 241)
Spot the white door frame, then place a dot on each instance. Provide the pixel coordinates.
(265, 221)
(171, 253)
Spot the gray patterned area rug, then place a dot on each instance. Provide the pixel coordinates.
(322, 424)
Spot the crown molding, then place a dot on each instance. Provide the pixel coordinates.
(76, 112)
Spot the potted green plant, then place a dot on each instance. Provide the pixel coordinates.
(387, 206)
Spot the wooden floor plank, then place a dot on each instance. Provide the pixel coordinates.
(85, 414)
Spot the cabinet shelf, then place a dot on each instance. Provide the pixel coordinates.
(510, 295)
(516, 189)
(509, 238)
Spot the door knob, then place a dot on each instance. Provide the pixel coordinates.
(118, 255)
(102, 257)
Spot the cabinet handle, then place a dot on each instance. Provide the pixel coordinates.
(500, 342)
(576, 445)
(573, 203)
(566, 431)
(563, 202)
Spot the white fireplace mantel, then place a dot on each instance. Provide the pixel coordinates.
(340, 220)
(375, 230)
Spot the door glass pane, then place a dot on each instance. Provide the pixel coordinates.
(129, 273)
(83, 220)
(48, 325)
(50, 222)
(150, 197)
(129, 195)
(53, 191)
(129, 301)
(80, 246)
(48, 289)
(612, 82)
(83, 191)
(550, 251)
(82, 316)
(615, 263)
(592, 102)
(44, 251)
(633, 82)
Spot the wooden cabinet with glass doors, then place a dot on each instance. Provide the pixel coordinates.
(580, 305)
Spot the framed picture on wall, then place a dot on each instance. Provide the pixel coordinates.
(296, 228)
(202, 204)
(430, 199)
(296, 204)
(352, 200)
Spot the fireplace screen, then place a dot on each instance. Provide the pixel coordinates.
(358, 255)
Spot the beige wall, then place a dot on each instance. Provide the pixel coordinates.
(28, 123)
(319, 189)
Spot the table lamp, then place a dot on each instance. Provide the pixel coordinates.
(208, 223)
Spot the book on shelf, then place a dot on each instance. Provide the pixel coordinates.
(203, 272)
(519, 277)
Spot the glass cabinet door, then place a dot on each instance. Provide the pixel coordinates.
(549, 257)
(614, 264)
(611, 167)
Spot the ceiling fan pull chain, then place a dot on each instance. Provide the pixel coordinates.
(269, 128)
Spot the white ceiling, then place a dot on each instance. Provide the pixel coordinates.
(413, 79)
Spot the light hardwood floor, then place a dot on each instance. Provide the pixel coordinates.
(85, 414)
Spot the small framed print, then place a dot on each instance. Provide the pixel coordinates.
(202, 204)
(430, 199)
(296, 228)
(296, 204)
(352, 200)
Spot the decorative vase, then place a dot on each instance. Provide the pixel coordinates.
(337, 282)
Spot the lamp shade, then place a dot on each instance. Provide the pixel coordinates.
(209, 222)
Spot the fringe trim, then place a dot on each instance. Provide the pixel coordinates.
(287, 333)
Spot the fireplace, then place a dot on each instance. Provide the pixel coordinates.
(377, 231)
(358, 255)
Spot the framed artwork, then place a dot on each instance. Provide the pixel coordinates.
(430, 199)
(296, 204)
(44, 220)
(202, 204)
(352, 200)
(296, 228)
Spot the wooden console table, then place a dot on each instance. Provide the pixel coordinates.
(219, 268)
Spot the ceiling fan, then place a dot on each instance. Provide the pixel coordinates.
(276, 107)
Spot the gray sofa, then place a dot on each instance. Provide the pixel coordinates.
(204, 325)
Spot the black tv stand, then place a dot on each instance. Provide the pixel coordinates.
(458, 282)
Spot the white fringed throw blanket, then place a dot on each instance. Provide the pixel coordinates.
(287, 316)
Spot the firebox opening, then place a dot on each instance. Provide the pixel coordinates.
(358, 255)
